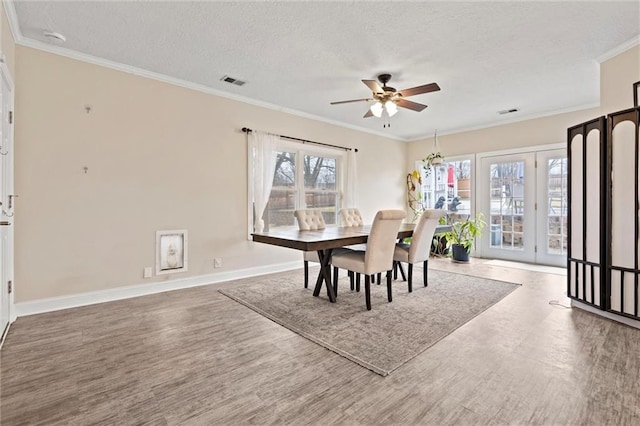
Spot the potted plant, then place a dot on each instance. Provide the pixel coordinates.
(461, 237)
(435, 158)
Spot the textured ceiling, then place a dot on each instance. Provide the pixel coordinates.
(486, 56)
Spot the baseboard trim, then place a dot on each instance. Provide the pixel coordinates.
(618, 318)
(5, 332)
(83, 299)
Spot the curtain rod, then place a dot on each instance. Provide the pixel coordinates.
(248, 130)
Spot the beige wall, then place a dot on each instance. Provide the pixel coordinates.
(159, 157)
(539, 131)
(617, 76)
(164, 157)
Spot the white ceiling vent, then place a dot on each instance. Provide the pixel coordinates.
(54, 37)
(232, 80)
(508, 111)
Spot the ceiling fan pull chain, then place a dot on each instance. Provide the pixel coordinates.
(435, 141)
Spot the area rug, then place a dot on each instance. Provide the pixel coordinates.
(390, 334)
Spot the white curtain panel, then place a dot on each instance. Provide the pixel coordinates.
(350, 198)
(263, 154)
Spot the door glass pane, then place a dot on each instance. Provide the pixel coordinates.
(557, 204)
(320, 186)
(282, 200)
(507, 205)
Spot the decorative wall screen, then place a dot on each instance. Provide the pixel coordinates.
(585, 254)
(604, 217)
(622, 209)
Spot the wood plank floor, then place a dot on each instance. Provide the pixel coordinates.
(195, 357)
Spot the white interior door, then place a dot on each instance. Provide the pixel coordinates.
(552, 207)
(6, 197)
(507, 197)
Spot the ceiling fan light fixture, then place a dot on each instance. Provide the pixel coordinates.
(376, 109)
(391, 108)
(387, 100)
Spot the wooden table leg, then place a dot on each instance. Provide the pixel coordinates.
(395, 272)
(325, 275)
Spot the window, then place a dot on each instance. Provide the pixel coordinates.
(282, 201)
(448, 186)
(304, 178)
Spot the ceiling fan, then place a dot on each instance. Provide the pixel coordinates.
(389, 99)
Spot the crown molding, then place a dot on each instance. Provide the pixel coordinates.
(12, 18)
(510, 121)
(632, 42)
(83, 57)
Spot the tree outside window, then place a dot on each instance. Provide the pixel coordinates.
(319, 187)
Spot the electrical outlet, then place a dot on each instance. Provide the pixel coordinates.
(217, 262)
(148, 272)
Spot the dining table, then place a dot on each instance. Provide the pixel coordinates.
(326, 240)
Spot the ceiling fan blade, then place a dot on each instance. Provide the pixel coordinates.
(352, 100)
(432, 87)
(410, 105)
(368, 114)
(373, 85)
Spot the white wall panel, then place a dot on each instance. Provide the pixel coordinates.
(593, 174)
(615, 290)
(629, 293)
(576, 197)
(597, 284)
(623, 211)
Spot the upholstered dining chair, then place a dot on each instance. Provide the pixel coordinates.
(379, 254)
(351, 217)
(420, 247)
(309, 220)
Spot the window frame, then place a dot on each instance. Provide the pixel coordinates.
(472, 177)
(300, 149)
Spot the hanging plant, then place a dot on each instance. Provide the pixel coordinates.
(433, 159)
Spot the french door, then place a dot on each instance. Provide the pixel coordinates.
(523, 199)
(552, 230)
(507, 187)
